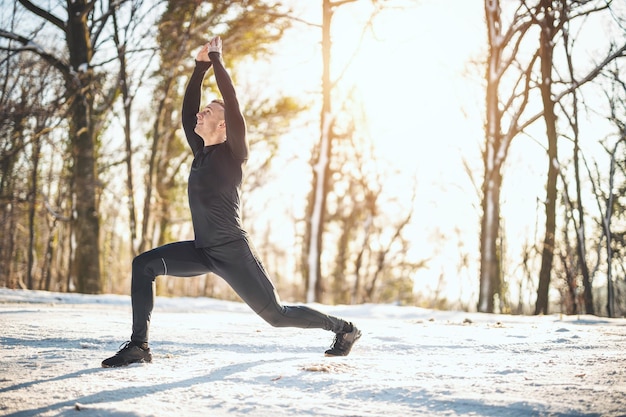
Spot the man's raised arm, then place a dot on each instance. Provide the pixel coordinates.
(235, 122)
(191, 101)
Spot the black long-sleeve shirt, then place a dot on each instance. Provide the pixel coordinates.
(217, 171)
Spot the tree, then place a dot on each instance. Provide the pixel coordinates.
(369, 261)
(317, 201)
(612, 205)
(552, 18)
(316, 212)
(547, 21)
(124, 39)
(31, 113)
(126, 23)
(506, 98)
(575, 207)
(81, 31)
(512, 84)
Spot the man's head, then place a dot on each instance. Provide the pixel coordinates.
(211, 124)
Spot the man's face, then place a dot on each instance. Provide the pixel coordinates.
(209, 120)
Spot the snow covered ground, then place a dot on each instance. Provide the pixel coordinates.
(216, 358)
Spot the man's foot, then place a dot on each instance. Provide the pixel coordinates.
(343, 342)
(131, 352)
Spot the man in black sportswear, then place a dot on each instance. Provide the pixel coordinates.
(217, 137)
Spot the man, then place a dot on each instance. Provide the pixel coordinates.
(217, 137)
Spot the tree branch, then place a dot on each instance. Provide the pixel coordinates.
(619, 53)
(339, 3)
(102, 20)
(43, 14)
(30, 46)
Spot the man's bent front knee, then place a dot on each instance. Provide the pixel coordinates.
(147, 266)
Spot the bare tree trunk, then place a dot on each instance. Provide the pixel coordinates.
(32, 206)
(86, 268)
(317, 211)
(504, 43)
(127, 101)
(581, 241)
(615, 104)
(606, 226)
(493, 157)
(490, 274)
(46, 269)
(546, 52)
(9, 211)
(7, 246)
(356, 290)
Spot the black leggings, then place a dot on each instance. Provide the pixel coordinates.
(237, 263)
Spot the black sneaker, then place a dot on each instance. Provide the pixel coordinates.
(132, 352)
(343, 343)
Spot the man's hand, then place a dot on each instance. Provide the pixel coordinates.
(215, 44)
(203, 54)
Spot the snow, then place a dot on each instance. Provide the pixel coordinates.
(217, 358)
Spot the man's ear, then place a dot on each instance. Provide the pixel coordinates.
(222, 124)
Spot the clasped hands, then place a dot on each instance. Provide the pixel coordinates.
(214, 45)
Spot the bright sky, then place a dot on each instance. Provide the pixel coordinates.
(423, 111)
(424, 102)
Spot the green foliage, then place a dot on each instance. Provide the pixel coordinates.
(248, 30)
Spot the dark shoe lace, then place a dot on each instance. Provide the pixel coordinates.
(129, 352)
(343, 342)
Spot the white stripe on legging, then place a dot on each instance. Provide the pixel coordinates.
(164, 266)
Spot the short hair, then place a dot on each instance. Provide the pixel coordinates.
(220, 102)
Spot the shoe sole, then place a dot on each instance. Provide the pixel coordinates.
(121, 365)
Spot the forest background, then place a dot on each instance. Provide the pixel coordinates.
(447, 154)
